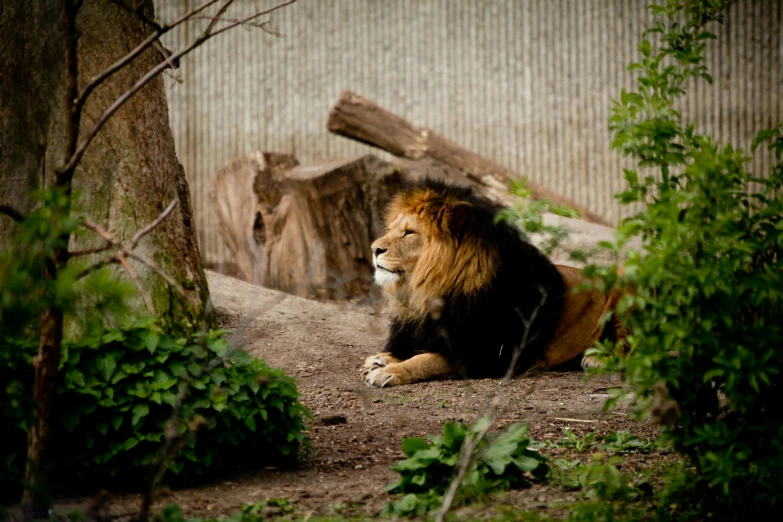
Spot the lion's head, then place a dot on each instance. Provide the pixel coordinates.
(433, 245)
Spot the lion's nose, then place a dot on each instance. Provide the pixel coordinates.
(379, 251)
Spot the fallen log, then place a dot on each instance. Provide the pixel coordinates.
(365, 121)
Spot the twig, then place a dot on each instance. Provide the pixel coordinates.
(152, 266)
(467, 455)
(119, 102)
(12, 213)
(137, 11)
(122, 253)
(566, 419)
(120, 256)
(157, 221)
(88, 251)
(128, 58)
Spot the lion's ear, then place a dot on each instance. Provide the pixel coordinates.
(456, 219)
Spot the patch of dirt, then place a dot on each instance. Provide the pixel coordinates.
(357, 431)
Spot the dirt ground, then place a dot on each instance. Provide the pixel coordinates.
(356, 431)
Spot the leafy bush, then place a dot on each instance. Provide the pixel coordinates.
(504, 461)
(706, 299)
(117, 394)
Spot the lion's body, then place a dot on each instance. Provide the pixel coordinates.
(466, 293)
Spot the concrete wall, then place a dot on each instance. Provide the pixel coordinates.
(525, 82)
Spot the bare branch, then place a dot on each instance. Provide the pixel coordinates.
(137, 11)
(122, 253)
(152, 266)
(88, 251)
(95, 227)
(132, 273)
(250, 18)
(128, 58)
(12, 213)
(216, 16)
(97, 266)
(206, 35)
(146, 230)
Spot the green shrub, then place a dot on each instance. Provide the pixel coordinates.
(504, 461)
(707, 294)
(116, 396)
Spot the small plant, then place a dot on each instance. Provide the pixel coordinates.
(282, 505)
(576, 443)
(603, 480)
(623, 442)
(504, 461)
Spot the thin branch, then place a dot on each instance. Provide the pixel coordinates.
(137, 11)
(146, 230)
(152, 266)
(12, 213)
(132, 273)
(467, 454)
(120, 256)
(96, 266)
(77, 156)
(88, 251)
(122, 253)
(128, 58)
(244, 21)
(105, 234)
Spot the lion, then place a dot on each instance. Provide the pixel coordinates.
(468, 296)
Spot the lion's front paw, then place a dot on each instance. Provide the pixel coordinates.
(591, 362)
(382, 377)
(371, 363)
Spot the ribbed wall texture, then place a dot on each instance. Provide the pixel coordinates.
(525, 82)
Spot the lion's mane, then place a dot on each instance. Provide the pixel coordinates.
(478, 291)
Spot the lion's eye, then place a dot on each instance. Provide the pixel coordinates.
(409, 232)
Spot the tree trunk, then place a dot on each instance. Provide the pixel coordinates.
(363, 120)
(130, 172)
(128, 176)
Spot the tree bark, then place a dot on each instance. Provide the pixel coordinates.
(363, 120)
(130, 172)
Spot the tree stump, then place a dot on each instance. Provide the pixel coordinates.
(242, 191)
(316, 240)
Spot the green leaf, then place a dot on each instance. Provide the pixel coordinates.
(645, 48)
(139, 411)
(151, 340)
(250, 422)
(411, 445)
(239, 357)
(107, 365)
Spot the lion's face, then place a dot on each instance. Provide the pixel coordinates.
(396, 253)
(430, 248)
